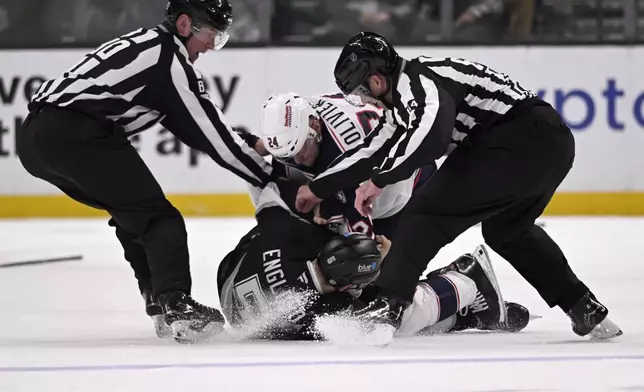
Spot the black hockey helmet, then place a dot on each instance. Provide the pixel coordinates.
(364, 54)
(350, 260)
(214, 13)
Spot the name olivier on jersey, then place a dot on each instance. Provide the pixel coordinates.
(339, 122)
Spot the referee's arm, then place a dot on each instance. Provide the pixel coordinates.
(198, 122)
(432, 114)
(357, 164)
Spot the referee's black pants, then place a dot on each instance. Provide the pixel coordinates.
(95, 164)
(503, 177)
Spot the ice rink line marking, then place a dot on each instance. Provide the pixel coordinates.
(357, 362)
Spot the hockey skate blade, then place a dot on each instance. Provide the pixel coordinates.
(605, 330)
(162, 329)
(183, 332)
(483, 258)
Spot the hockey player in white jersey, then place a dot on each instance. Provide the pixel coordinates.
(306, 134)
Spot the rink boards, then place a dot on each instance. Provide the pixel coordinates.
(598, 91)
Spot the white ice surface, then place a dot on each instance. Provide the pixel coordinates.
(80, 325)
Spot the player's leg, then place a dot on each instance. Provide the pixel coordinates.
(465, 294)
(437, 299)
(488, 308)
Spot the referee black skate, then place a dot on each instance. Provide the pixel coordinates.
(508, 152)
(76, 138)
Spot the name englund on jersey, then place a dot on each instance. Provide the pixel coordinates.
(347, 124)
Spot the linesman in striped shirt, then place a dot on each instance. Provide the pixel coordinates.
(508, 152)
(76, 138)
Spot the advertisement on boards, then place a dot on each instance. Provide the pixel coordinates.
(597, 90)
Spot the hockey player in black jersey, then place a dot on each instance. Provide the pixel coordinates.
(76, 138)
(286, 271)
(510, 150)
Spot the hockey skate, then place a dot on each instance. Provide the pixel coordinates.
(189, 320)
(518, 318)
(155, 311)
(383, 310)
(382, 317)
(488, 309)
(588, 317)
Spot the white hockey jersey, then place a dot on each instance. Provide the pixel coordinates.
(345, 126)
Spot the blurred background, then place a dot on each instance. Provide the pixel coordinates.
(65, 23)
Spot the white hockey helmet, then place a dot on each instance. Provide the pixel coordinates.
(284, 124)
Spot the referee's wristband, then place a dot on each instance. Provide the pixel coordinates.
(376, 179)
(250, 139)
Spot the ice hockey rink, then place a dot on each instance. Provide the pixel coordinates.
(80, 325)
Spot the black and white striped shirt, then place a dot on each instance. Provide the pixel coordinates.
(144, 78)
(437, 103)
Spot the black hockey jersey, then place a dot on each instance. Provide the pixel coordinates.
(271, 265)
